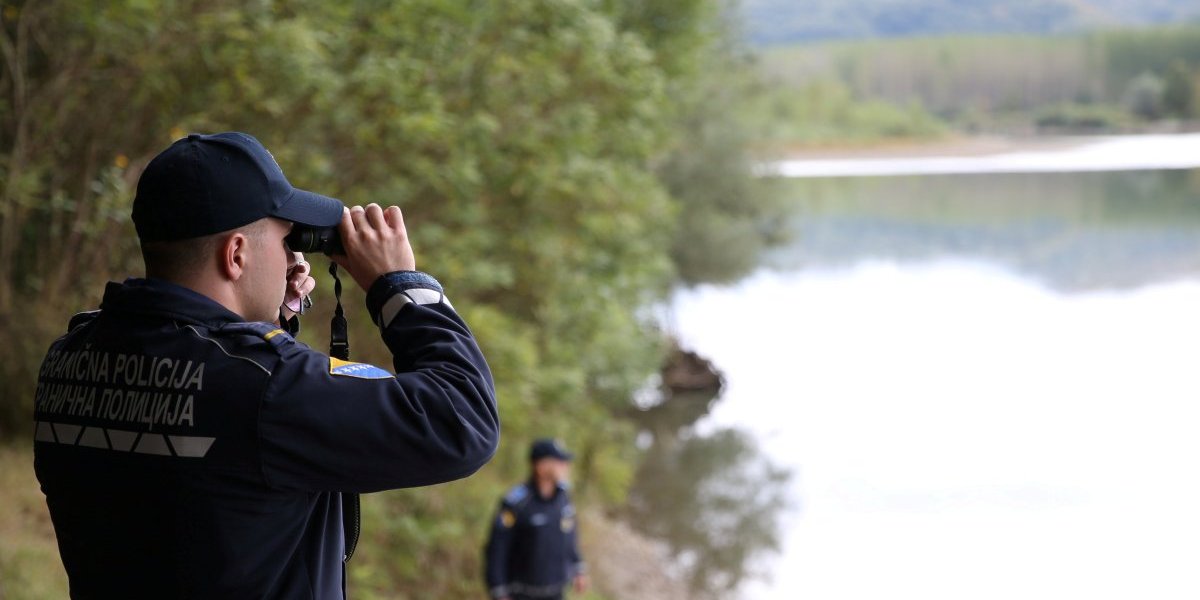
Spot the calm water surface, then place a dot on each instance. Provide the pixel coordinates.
(986, 386)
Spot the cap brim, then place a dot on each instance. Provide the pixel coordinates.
(311, 209)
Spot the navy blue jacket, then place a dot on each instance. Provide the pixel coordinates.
(185, 453)
(533, 549)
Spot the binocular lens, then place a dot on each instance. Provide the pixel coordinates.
(310, 239)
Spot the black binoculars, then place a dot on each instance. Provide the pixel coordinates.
(313, 239)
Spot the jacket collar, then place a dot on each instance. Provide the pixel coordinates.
(532, 485)
(156, 297)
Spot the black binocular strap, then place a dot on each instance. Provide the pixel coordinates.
(339, 347)
(339, 340)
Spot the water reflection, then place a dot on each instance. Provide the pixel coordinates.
(983, 384)
(712, 497)
(1070, 231)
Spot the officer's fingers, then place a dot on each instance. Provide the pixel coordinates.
(346, 226)
(305, 286)
(358, 217)
(375, 217)
(358, 227)
(297, 279)
(301, 268)
(394, 218)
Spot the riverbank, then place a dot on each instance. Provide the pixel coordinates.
(625, 564)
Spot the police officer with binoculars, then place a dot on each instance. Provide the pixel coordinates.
(189, 447)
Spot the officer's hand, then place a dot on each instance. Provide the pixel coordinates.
(376, 243)
(299, 285)
(581, 584)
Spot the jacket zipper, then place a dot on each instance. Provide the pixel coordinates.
(351, 523)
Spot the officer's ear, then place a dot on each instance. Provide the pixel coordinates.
(233, 255)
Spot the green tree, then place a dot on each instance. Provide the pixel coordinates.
(524, 142)
(1179, 91)
(1144, 96)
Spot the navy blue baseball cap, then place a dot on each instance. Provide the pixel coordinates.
(206, 184)
(548, 448)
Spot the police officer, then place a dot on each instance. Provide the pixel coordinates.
(188, 447)
(533, 550)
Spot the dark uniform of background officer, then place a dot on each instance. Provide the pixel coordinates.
(189, 448)
(533, 551)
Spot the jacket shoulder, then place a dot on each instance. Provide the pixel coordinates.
(257, 333)
(261, 344)
(516, 496)
(81, 319)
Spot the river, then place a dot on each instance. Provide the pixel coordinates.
(984, 384)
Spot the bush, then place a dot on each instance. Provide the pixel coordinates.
(1082, 118)
(1144, 96)
(520, 138)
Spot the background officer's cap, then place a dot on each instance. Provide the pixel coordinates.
(548, 448)
(206, 184)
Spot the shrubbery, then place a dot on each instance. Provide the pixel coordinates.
(525, 142)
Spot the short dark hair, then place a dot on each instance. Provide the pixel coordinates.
(169, 260)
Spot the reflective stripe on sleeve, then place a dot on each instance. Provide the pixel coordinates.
(392, 307)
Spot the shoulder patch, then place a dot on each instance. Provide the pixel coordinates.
(516, 495)
(345, 368)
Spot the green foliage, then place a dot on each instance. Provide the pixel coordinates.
(826, 112)
(1001, 82)
(524, 141)
(1077, 117)
(729, 216)
(1179, 90)
(1126, 54)
(1144, 96)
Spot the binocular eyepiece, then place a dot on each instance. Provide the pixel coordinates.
(312, 239)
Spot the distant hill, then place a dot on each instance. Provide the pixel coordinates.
(775, 22)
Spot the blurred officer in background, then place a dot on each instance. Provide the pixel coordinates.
(533, 552)
(189, 447)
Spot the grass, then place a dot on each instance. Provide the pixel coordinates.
(29, 564)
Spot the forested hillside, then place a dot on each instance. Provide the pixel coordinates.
(1112, 81)
(772, 22)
